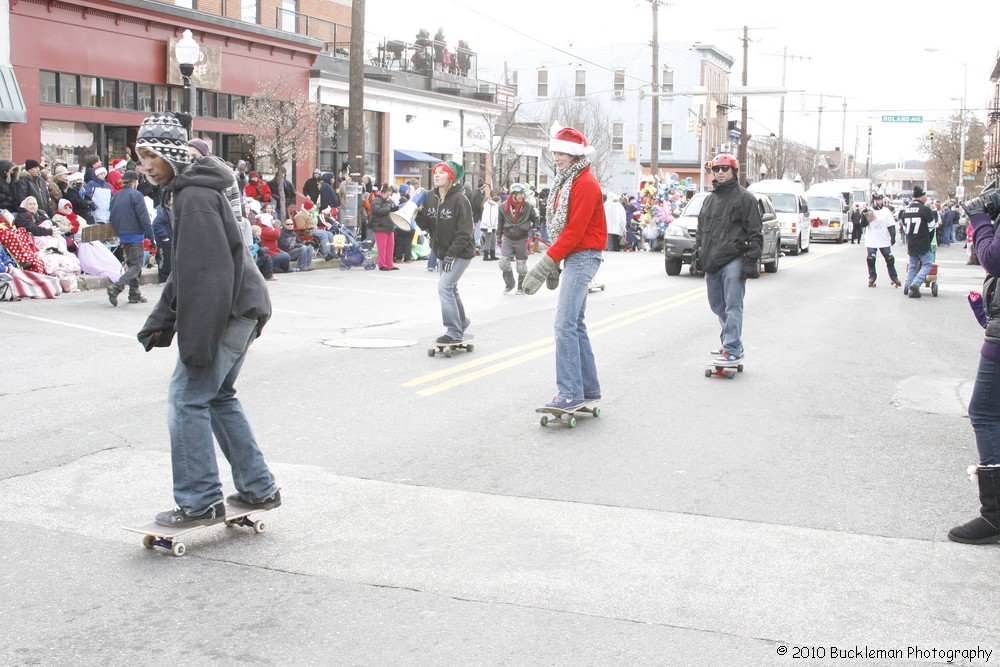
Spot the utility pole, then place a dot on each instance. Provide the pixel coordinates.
(356, 93)
(742, 156)
(781, 112)
(654, 116)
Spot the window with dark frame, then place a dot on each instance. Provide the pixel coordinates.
(48, 87)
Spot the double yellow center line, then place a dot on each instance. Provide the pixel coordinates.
(454, 376)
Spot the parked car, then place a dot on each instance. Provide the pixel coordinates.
(788, 198)
(678, 242)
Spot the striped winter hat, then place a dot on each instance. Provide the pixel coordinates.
(164, 135)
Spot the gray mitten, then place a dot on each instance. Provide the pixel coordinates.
(539, 273)
(552, 282)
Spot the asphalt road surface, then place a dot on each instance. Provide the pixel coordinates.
(792, 515)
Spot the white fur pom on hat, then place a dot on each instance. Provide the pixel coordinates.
(120, 165)
(569, 141)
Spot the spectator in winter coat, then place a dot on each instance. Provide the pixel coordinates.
(260, 255)
(116, 174)
(289, 242)
(328, 197)
(9, 173)
(99, 192)
(283, 193)
(281, 261)
(257, 189)
(30, 217)
(384, 228)
(311, 187)
(31, 183)
(130, 217)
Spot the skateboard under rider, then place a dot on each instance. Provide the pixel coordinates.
(567, 416)
(448, 349)
(727, 370)
(167, 537)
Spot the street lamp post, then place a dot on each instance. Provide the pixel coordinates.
(187, 52)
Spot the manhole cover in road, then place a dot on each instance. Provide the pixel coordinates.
(369, 342)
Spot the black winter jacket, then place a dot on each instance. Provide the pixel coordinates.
(381, 208)
(449, 223)
(213, 278)
(729, 227)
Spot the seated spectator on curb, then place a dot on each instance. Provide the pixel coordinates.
(265, 218)
(259, 253)
(257, 189)
(307, 218)
(289, 242)
(52, 256)
(269, 236)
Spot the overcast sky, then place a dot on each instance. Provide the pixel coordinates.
(872, 53)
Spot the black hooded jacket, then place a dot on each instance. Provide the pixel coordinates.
(729, 226)
(8, 186)
(213, 278)
(449, 223)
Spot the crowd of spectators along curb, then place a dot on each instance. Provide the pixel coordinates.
(42, 252)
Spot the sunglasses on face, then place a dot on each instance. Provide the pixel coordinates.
(722, 167)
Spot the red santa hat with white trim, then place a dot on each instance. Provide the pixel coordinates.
(570, 141)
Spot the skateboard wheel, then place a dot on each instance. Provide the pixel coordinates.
(934, 289)
(597, 412)
(147, 541)
(448, 353)
(740, 368)
(708, 372)
(469, 347)
(258, 526)
(572, 422)
(230, 523)
(430, 352)
(178, 549)
(730, 374)
(544, 420)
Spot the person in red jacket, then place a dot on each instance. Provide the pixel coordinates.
(579, 232)
(257, 189)
(269, 241)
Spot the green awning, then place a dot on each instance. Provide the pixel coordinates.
(12, 109)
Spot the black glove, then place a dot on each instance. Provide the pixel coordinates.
(751, 268)
(988, 202)
(446, 264)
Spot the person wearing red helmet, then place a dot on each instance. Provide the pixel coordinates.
(728, 245)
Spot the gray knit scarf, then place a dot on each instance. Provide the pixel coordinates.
(560, 191)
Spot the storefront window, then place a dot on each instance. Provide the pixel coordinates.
(47, 88)
(68, 142)
(69, 89)
(109, 93)
(161, 99)
(88, 91)
(127, 95)
(206, 103)
(145, 98)
(223, 102)
(475, 168)
(176, 99)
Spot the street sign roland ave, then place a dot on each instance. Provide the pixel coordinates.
(902, 119)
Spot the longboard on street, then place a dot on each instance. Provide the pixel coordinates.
(448, 349)
(723, 370)
(167, 537)
(567, 416)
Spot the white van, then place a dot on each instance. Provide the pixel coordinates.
(828, 211)
(792, 209)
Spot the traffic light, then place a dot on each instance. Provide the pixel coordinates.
(932, 134)
(869, 129)
(968, 166)
(690, 124)
(630, 153)
(979, 166)
(708, 165)
(698, 131)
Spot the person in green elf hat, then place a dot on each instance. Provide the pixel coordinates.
(447, 217)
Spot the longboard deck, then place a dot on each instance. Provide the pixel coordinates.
(447, 349)
(155, 534)
(567, 416)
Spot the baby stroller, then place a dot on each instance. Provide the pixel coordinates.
(351, 251)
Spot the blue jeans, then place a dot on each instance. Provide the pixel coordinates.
(918, 277)
(452, 310)
(576, 370)
(726, 288)
(325, 242)
(984, 411)
(201, 406)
